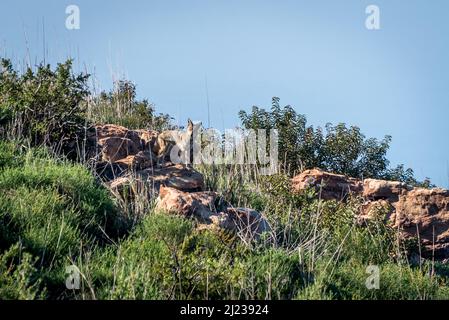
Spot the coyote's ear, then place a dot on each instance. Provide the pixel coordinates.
(189, 124)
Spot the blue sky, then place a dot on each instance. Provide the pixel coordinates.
(315, 55)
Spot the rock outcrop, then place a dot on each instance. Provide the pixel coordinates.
(381, 189)
(211, 211)
(126, 161)
(424, 213)
(117, 149)
(416, 212)
(328, 185)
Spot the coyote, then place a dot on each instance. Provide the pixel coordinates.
(167, 139)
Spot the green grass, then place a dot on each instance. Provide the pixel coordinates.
(166, 258)
(54, 214)
(54, 210)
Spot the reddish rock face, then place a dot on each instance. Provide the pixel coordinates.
(424, 213)
(176, 176)
(129, 164)
(328, 185)
(142, 160)
(116, 142)
(148, 137)
(373, 210)
(151, 180)
(202, 206)
(416, 212)
(381, 189)
(112, 130)
(116, 148)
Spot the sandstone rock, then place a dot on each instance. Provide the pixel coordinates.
(116, 148)
(424, 213)
(177, 176)
(200, 205)
(142, 160)
(374, 210)
(328, 185)
(416, 212)
(209, 211)
(149, 181)
(419, 213)
(381, 189)
(116, 131)
(115, 142)
(148, 138)
(127, 160)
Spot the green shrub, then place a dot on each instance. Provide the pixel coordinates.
(43, 105)
(144, 266)
(166, 259)
(18, 276)
(121, 106)
(56, 211)
(336, 148)
(10, 154)
(67, 190)
(396, 282)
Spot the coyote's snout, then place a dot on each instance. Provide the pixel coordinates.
(181, 139)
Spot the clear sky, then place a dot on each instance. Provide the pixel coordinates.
(315, 55)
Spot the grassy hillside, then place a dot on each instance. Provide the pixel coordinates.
(56, 214)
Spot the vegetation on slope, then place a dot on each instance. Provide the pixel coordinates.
(54, 214)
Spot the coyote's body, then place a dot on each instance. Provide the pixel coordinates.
(167, 139)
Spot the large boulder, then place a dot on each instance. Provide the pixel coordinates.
(178, 176)
(424, 214)
(125, 159)
(149, 181)
(148, 138)
(114, 142)
(416, 212)
(116, 148)
(328, 185)
(374, 189)
(212, 212)
(140, 161)
(200, 205)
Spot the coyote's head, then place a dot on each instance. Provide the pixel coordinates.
(193, 129)
(183, 139)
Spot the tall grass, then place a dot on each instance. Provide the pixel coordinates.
(58, 215)
(316, 250)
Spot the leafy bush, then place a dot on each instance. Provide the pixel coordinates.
(43, 105)
(338, 148)
(18, 276)
(120, 106)
(167, 259)
(396, 282)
